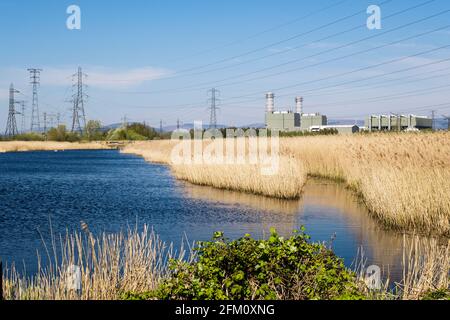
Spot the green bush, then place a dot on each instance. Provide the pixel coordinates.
(246, 268)
(61, 134)
(443, 294)
(143, 131)
(124, 134)
(31, 136)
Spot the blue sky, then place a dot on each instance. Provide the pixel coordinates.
(152, 60)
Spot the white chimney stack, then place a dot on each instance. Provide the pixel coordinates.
(270, 105)
(299, 105)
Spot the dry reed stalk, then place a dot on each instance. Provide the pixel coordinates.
(23, 146)
(287, 183)
(426, 267)
(157, 151)
(111, 264)
(404, 178)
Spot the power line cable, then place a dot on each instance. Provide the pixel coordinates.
(327, 61)
(200, 104)
(206, 84)
(303, 45)
(342, 83)
(407, 94)
(258, 34)
(359, 12)
(350, 72)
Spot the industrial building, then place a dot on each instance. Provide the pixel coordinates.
(398, 123)
(283, 120)
(313, 120)
(291, 121)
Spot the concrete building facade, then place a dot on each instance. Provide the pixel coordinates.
(312, 120)
(398, 123)
(283, 121)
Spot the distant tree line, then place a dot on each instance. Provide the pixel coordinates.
(133, 132)
(93, 132)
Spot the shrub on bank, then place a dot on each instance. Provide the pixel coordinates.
(250, 269)
(31, 136)
(442, 294)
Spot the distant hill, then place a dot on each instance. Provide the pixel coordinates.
(111, 126)
(441, 124)
(254, 126)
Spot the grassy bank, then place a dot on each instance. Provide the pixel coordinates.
(23, 146)
(404, 179)
(287, 184)
(138, 265)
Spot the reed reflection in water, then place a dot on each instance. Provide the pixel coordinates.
(330, 213)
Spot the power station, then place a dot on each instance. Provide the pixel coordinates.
(290, 121)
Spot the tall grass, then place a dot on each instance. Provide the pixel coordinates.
(22, 146)
(404, 179)
(288, 183)
(246, 177)
(111, 264)
(426, 267)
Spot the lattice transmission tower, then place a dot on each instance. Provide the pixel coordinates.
(11, 125)
(214, 101)
(448, 121)
(22, 114)
(78, 100)
(35, 80)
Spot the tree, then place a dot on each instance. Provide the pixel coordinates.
(93, 131)
(143, 130)
(57, 134)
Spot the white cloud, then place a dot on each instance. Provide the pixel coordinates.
(102, 77)
(105, 77)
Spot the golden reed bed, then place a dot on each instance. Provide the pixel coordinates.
(404, 179)
(23, 146)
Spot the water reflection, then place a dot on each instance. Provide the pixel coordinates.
(327, 210)
(124, 190)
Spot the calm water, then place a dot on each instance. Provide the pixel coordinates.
(111, 191)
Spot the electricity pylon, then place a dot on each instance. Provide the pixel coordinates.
(11, 125)
(78, 100)
(35, 78)
(213, 108)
